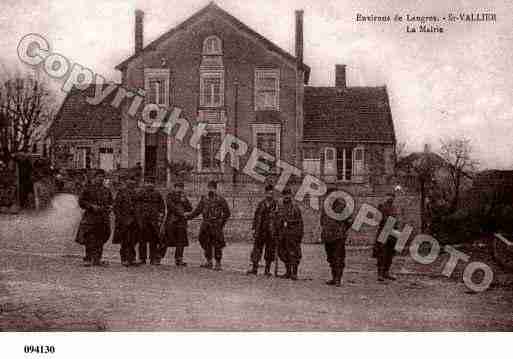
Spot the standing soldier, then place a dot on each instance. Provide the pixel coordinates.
(384, 252)
(176, 224)
(94, 228)
(263, 233)
(334, 235)
(126, 229)
(150, 214)
(289, 229)
(215, 212)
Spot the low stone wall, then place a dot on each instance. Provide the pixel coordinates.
(243, 207)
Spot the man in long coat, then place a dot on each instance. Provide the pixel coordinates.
(175, 234)
(289, 229)
(263, 233)
(94, 228)
(150, 214)
(334, 235)
(215, 212)
(126, 228)
(384, 252)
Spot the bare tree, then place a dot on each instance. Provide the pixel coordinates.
(457, 152)
(26, 104)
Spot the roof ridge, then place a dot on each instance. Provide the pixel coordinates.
(212, 5)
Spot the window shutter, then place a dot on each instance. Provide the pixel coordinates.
(358, 161)
(267, 84)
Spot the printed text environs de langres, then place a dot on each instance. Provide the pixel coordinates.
(428, 24)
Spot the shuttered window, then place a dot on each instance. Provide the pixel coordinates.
(267, 89)
(212, 89)
(157, 86)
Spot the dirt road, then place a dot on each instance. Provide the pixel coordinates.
(43, 286)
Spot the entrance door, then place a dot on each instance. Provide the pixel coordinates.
(340, 163)
(330, 163)
(150, 163)
(83, 158)
(107, 159)
(344, 163)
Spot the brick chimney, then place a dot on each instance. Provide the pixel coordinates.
(139, 30)
(340, 77)
(299, 37)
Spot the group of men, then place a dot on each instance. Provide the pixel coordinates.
(143, 219)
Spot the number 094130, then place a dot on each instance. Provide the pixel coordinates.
(39, 349)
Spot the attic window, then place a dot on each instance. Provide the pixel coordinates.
(212, 46)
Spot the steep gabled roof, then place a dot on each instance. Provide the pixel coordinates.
(212, 8)
(77, 119)
(411, 160)
(352, 114)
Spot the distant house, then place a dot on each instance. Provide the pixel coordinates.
(220, 72)
(408, 168)
(84, 136)
(348, 133)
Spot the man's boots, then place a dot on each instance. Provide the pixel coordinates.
(253, 270)
(208, 264)
(338, 278)
(267, 271)
(294, 268)
(387, 275)
(218, 267)
(180, 263)
(288, 273)
(332, 281)
(381, 276)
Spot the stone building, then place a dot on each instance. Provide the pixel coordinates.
(220, 72)
(85, 136)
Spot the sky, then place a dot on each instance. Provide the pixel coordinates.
(455, 84)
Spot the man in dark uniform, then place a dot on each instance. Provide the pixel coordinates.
(126, 229)
(334, 235)
(215, 212)
(384, 252)
(94, 228)
(289, 229)
(150, 214)
(263, 233)
(176, 224)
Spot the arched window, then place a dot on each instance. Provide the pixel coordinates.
(212, 46)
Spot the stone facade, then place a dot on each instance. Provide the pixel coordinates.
(182, 56)
(261, 97)
(66, 153)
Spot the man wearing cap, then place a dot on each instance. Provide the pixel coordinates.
(289, 229)
(150, 208)
(334, 235)
(126, 229)
(263, 233)
(215, 212)
(384, 252)
(175, 234)
(94, 229)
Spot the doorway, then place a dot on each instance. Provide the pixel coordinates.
(344, 163)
